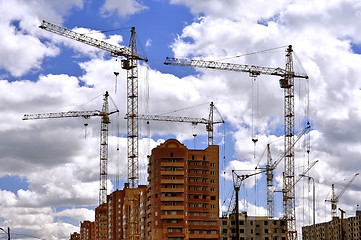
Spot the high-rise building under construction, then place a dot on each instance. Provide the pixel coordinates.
(183, 192)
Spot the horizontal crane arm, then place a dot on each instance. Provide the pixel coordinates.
(84, 114)
(174, 119)
(114, 50)
(251, 69)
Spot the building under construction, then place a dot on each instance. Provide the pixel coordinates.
(336, 229)
(252, 227)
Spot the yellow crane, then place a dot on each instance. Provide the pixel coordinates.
(104, 114)
(287, 83)
(334, 199)
(130, 63)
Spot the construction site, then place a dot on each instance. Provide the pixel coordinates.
(181, 199)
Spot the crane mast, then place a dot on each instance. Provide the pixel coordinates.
(131, 65)
(270, 190)
(287, 83)
(104, 114)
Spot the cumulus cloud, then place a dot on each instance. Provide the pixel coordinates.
(19, 26)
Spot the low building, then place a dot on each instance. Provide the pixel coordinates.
(252, 227)
(101, 222)
(87, 230)
(332, 230)
(75, 236)
(126, 213)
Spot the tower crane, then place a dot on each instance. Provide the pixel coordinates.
(209, 122)
(130, 63)
(271, 166)
(238, 179)
(104, 114)
(287, 83)
(334, 199)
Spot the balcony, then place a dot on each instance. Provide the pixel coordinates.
(172, 199)
(172, 173)
(172, 190)
(204, 236)
(172, 181)
(172, 164)
(172, 208)
(179, 216)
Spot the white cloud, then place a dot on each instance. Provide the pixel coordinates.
(123, 8)
(19, 26)
(235, 9)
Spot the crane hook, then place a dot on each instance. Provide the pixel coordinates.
(85, 125)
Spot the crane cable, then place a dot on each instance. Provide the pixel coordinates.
(255, 106)
(252, 53)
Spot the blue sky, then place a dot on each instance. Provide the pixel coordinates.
(45, 163)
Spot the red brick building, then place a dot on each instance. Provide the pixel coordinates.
(126, 213)
(87, 230)
(183, 192)
(101, 222)
(75, 236)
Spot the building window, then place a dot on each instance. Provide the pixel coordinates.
(204, 157)
(171, 154)
(213, 197)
